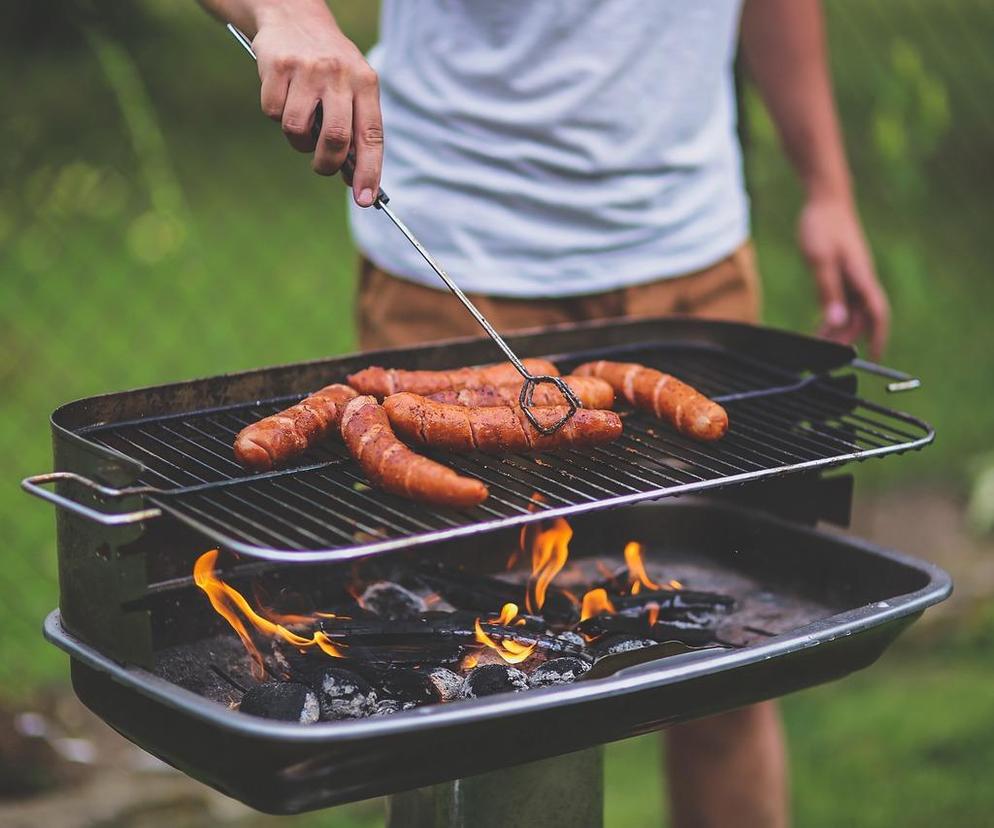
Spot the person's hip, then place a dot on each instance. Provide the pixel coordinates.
(394, 312)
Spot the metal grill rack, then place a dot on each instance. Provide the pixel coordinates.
(323, 510)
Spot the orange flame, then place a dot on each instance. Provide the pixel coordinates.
(228, 603)
(511, 651)
(594, 603)
(549, 554)
(637, 575)
(652, 614)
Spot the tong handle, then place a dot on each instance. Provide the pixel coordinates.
(33, 486)
(901, 380)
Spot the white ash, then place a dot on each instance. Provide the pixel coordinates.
(446, 683)
(344, 695)
(571, 637)
(558, 671)
(627, 645)
(386, 707)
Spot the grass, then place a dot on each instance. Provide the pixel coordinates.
(154, 227)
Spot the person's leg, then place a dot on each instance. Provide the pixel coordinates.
(729, 769)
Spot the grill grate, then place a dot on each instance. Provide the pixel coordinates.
(323, 509)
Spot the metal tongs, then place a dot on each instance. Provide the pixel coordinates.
(380, 203)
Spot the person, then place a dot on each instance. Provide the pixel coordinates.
(570, 160)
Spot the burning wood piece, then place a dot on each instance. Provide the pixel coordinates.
(685, 631)
(392, 601)
(286, 701)
(490, 679)
(675, 599)
(482, 593)
(558, 671)
(345, 695)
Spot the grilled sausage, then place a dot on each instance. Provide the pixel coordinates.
(591, 391)
(382, 382)
(683, 407)
(276, 439)
(495, 429)
(393, 467)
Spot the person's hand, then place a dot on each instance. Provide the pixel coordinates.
(304, 59)
(853, 302)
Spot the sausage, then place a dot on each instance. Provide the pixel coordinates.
(278, 438)
(382, 382)
(685, 408)
(591, 391)
(495, 429)
(393, 467)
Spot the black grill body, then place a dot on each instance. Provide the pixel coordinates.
(869, 595)
(127, 596)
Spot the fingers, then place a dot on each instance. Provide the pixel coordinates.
(368, 137)
(275, 84)
(832, 296)
(298, 114)
(868, 294)
(335, 136)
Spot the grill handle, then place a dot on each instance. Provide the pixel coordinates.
(901, 380)
(33, 486)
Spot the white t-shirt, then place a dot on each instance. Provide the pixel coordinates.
(546, 148)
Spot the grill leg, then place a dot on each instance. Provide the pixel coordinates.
(554, 793)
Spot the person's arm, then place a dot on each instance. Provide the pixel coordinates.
(783, 42)
(305, 59)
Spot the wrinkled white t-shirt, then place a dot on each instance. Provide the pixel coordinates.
(546, 148)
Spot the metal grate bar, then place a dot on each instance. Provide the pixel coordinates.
(325, 509)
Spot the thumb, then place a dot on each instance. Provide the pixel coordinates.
(831, 293)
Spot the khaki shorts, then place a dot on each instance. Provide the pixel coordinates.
(394, 312)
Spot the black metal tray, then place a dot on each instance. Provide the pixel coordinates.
(168, 449)
(871, 594)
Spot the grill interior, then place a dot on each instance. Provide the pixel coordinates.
(322, 508)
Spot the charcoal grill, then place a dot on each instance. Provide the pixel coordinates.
(146, 483)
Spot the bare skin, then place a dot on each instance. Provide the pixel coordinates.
(304, 59)
(784, 46)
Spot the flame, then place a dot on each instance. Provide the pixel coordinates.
(637, 576)
(511, 651)
(675, 584)
(549, 553)
(228, 603)
(652, 614)
(595, 602)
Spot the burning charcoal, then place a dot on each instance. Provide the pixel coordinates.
(392, 601)
(490, 679)
(558, 671)
(406, 684)
(283, 700)
(614, 644)
(345, 695)
(687, 631)
(445, 683)
(570, 637)
(385, 707)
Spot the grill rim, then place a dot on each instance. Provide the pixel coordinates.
(643, 677)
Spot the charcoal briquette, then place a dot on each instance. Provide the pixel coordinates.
(445, 684)
(344, 695)
(385, 707)
(614, 644)
(490, 679)
(392, 601)
(557, 671)
(286, 701)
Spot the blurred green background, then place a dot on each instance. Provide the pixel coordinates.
(155, 227)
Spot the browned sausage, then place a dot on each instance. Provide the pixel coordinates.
(278, 438)
(591, 391)
(382, 382)
(496, 429)
(683, 407)
(392, 466)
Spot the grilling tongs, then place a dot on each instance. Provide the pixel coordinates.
(380, 203)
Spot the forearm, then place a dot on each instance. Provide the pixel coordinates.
(249, 15)
(783, 42)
